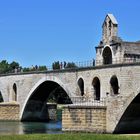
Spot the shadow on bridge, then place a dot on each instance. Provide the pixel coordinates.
(130, 121)
(36, 108)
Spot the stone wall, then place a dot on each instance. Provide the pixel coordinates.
(52, 111)
(84, 118)
(9, 111)
(128, 76)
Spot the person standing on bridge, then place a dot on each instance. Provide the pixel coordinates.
(65, 64)
(93, 62)
(61, 65)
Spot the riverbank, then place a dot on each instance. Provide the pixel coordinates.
(70, 136)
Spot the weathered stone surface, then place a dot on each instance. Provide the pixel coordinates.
(128, 81)
(125, 57)
(84, 118)
(9, 111)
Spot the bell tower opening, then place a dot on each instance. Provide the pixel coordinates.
(107, 56)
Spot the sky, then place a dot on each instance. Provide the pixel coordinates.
(39, 32)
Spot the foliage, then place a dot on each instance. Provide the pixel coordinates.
(36, 68)
(71, 65)
(59, 96)
(69, 136)
(56, 65)
(26, 69)
(14, 65)
(4, 66)
(42, 68)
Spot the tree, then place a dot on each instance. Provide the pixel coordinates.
(26, 69)
(4, 66)
(71, 65)
(14, 65)
(56, 65)
(42, 68)
(59, 96)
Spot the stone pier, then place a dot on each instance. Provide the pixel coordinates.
(84, 118)
(9, 111)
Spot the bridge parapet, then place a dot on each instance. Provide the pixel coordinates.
(119, 60)
(83, 101)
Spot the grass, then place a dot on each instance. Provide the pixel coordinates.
(70, 136)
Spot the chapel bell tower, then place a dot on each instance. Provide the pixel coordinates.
(109, 29)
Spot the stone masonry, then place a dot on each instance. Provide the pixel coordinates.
(115, 78)
(9, 111)
(128, 81)
(112, 47)
(84, 119)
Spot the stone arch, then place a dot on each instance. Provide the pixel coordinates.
(35, 87)
(96, 88)
(107, 55)
(114, 85)
(81, 86)
(14, 92)
(130, 119)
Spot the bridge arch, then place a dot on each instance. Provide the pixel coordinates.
(96, 88)
(107, 55)
(80, 83)
(130, 120)
(38, 84)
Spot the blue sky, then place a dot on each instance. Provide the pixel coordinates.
(43, 31)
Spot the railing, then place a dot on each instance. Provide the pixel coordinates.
(118, 61)
(81, 100)
(83, 64)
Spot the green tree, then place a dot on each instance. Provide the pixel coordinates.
(42, 68)
(71, 65)
(56, 65)
(13, 65)
(4, 66)
(26, 69)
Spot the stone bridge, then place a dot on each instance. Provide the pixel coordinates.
(117, 83)
(114, 78)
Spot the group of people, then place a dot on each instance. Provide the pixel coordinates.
(34, 67)
(17, 70)
(63, 65)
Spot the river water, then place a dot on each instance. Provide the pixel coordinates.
(13, 127)
(30, 127)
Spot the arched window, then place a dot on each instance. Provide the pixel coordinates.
(96, 88)
(107, 56)
(114, 85)
(81, 86)
(14, 92)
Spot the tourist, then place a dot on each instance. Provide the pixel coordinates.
(61, 65)
(65, 64)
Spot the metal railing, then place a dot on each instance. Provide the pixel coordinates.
(83, 64)
(81, 100)
(118, 61)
